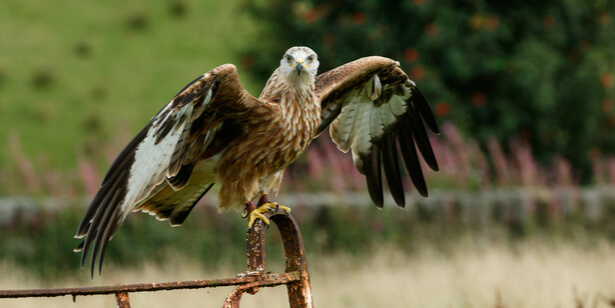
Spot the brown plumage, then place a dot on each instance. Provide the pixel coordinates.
(214, 131)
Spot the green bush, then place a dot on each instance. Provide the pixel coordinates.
(541, 72)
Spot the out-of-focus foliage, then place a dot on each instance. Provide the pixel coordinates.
(540, 72)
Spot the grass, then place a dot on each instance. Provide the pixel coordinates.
(72, 71)
(533, 274)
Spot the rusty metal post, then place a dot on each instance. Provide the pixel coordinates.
(299, 290)
(122, 300)
(255, 248)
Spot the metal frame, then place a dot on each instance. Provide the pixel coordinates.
(295, 277)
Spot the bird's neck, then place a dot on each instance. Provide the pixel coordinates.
(297, 105)
(289, 92)
(296, 111)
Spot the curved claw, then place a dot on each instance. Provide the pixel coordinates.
(258, 212)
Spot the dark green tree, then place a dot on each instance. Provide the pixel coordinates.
(540, 72)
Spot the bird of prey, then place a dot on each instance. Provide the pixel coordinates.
(214, 131)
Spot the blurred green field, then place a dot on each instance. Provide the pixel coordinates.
(71, 71)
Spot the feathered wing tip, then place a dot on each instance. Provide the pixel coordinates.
(423, 109)
(417, 110)
(411, 159)
(391, 165)
(373, 176)
(105, 215)
(409, 131)
(101, 228)
(384, 152)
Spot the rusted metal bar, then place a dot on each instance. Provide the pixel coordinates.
(143, 287)
(255, 248)
(232, 301)
(296, 276)
(299, 291)
(122, 300)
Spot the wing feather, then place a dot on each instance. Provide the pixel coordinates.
(360, 138)
(388, 110)
(373, 176)
(162, 159)
(97, 225)
(376, 127)
(397, 106)
(421, 138)
(387, 116)
(344, 124)
(408, 152)
(423, 108)
(152, 159)
(392, 173)
(98, 249)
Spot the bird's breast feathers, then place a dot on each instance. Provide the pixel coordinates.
(291, 129)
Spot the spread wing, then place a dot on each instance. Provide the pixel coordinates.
(163, 158)
(373, 109)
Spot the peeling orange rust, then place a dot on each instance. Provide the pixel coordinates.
(122, 300)
(295, 277)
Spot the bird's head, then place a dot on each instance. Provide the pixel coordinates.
(299, 64)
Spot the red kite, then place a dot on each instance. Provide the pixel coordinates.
(214, 131)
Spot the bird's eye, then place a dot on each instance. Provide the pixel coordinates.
(310, 58)
(288, 57)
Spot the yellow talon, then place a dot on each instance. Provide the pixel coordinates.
(258, 212)
(274, 206)
(284, 208)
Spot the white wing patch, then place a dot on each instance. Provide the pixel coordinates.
(396, 105)
(341, 127)
(373, 89)
(152, 160)
(365, 116)
(362, 120)
(360, 135)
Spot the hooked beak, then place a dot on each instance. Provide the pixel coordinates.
(299, 66)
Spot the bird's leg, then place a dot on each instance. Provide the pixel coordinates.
(263, 206)
(262, 200)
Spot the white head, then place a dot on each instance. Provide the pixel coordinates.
(299, 64)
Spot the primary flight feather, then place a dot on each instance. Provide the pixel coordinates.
(214, 132)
